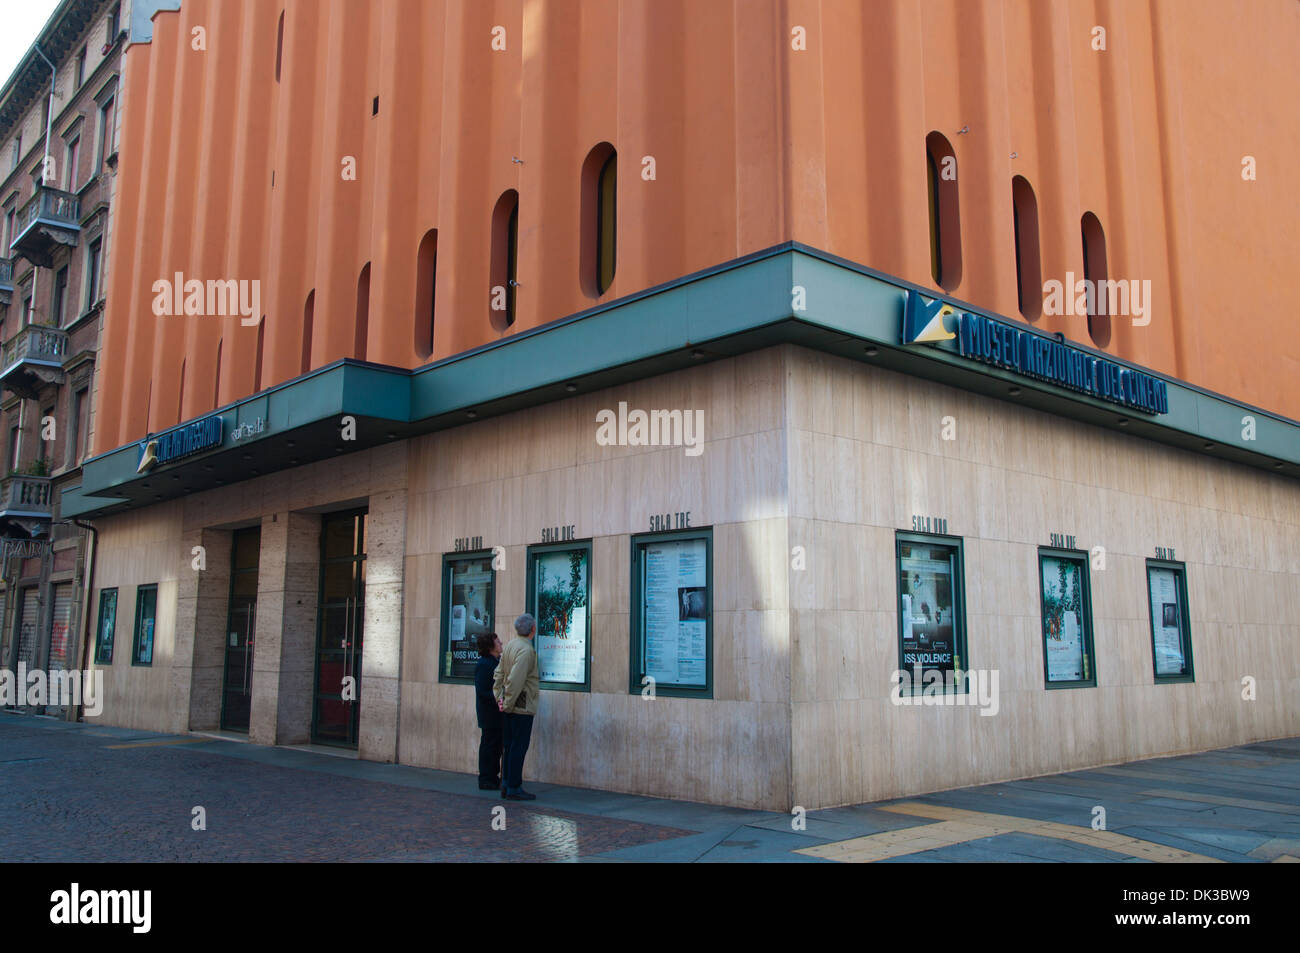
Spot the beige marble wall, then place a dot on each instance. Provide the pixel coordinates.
(381, 649)
(810, 465)
(182, 689)
(135, 549)
(284, 657)
(202, 611)
(867, 452)
(507, 478)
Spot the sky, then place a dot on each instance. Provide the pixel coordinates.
(23, 19)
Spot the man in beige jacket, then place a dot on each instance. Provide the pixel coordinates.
(516, 687)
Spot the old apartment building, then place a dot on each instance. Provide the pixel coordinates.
(59, 117)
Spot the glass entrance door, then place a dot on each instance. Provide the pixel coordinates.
(241, 624)
(336, 716)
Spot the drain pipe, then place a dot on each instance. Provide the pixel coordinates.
(45, 162)
(49, 113)
(90, 592)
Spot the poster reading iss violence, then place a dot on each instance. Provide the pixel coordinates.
(675, 606)
(471, 613)
(1062, 619)
(1166, 622)
(561, 597)
(925, 582)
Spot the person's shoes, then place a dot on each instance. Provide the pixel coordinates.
(521, 795)
(489, 785)
(503, 793)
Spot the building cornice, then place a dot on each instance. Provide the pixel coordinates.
(58, 40)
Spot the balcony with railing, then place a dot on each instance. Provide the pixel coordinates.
(6, 280)
(26, 498)
(50, 218)
(33, 358)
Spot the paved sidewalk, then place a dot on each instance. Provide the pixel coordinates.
(92, 793)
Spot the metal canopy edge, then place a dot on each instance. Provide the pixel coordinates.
(730, 309)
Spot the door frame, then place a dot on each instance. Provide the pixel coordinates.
(225, 635)
(353, 512)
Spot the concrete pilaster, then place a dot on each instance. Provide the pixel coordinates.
(284, 660)
(381, 650)
(202, 601)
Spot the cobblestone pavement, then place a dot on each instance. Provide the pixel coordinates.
(81, 794)
(94, 793)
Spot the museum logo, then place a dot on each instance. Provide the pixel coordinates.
(75, 906)
(654, 428)
(211, 298)
(926, 322)
(59, 687)
(976, 688)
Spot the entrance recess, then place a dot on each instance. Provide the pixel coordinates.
(336, 714)
(26, 617)
(56, 660)
(241, 626)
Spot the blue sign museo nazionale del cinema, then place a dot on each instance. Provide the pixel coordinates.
(1031, 354)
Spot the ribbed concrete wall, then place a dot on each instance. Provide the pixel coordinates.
(753, 143)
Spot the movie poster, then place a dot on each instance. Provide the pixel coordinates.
(146, 642)
(1063, 636)
(1166, 622)
(926, 589)
(675, 612)
(470, 614)
(107, 624)
(560, 606)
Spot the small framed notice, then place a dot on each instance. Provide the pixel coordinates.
(1171, 641)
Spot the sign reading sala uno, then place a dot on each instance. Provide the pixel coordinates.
(999, 344)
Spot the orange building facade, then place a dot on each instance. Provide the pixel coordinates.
(506, 217)
(750, 143)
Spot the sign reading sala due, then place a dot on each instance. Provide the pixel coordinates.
(1003, 345)
(200, 435)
